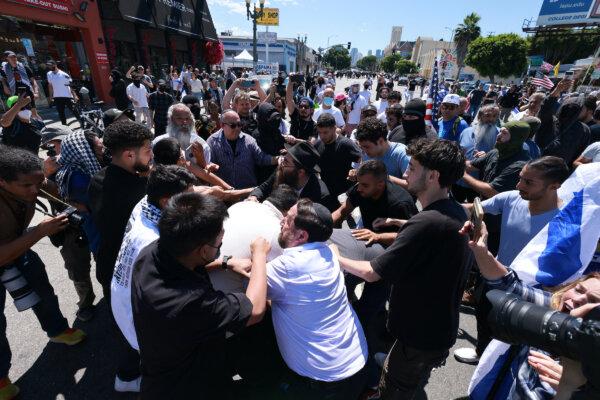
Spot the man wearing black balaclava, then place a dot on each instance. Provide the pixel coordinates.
(268, 137)
(562, 135)
(412, 123)
(118, 90)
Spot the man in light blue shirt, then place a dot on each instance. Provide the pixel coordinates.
(318, 333)
(371, 135)
(525, 212)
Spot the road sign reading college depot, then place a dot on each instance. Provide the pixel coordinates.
(270, 16)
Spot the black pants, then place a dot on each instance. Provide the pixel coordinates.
(77, 257)
(61, 103)
(46, 310)
(302, 388)
(406, 372)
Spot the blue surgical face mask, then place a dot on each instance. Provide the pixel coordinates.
(328, 101)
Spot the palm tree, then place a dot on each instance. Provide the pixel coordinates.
(464, 34)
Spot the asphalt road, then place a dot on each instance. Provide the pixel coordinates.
(45, 370)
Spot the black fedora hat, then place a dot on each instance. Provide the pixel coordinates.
(306, 156)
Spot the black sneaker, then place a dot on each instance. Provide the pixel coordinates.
(86, 314)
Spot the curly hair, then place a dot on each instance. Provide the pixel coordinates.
(371, 129)
(15, 161)
(122, 135)
(443, 156)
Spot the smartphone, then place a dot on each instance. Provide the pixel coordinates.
(297, 78)
(247, 83)
(189, 152)
(21, 91)
(476, 218)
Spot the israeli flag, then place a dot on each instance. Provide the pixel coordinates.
(559, 253)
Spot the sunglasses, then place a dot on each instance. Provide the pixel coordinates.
(304, 106)
(233, 125)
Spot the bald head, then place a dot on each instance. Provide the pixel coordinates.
(231, 125)
(230, 116)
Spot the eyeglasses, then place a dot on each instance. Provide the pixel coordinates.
(233, 125)
(215, 247)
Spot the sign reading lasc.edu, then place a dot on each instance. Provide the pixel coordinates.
(568, 12)
(62, 6)
(270, 16)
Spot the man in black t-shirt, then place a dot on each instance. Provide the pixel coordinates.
(337, 155)
(427, 266)
(302, 125)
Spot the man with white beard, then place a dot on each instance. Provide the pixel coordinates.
(475, 141)
(180, 125)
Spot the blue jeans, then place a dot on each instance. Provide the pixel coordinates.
(46, 310)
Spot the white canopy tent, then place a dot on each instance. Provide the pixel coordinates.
(243, 56)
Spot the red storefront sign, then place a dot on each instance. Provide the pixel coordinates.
(101, 58)
(62, 6)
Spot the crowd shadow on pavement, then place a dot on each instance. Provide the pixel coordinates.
(83, 371)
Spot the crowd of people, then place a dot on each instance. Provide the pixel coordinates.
(231, 225)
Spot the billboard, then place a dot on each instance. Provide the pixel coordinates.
(270, 16)
(569, 12)
(267, 37)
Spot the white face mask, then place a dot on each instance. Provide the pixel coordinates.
(24, 114)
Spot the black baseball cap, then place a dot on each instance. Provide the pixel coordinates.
(306, 156)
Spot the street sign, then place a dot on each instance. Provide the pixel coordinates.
(270, 16)
(267, 37)
(569, 12)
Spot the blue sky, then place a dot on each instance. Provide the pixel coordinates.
(368, 24)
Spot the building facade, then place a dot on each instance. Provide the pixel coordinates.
(282, 52)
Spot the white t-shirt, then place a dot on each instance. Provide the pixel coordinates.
(196, 85)
(318, 333)
(142, 229)
(60, 82)
(247, 220)
(366, 94)
(359, 104)
(337, 114)
(139, 94)
(381, 105)
(592, 152)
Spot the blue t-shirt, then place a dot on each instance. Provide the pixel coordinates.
(532, 148)
(395, 159)
(78, 185)
(447, 131)
(518, 225)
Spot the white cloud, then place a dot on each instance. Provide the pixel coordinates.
(235, 30)
(232, 6)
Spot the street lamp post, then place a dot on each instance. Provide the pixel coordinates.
(254, 16)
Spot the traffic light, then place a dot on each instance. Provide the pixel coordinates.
(349, 45)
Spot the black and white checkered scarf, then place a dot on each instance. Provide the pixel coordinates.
(76, 154)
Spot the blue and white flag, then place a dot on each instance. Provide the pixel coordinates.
(559, 253)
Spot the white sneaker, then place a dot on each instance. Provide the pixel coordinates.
(128, 386)
(380, 358)
(466, 355)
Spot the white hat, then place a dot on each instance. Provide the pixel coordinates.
(452, 99)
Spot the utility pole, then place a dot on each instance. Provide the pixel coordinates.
(254, 16)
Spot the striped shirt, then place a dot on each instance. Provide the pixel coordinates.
(512, 284)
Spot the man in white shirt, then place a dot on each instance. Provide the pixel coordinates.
(60, 91)
(382, 103)
(356, 104)
(318, 333)
(138, 94)
(327, 107)
(366, 92)
(248, 220)
(392, 98)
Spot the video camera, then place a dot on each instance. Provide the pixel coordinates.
(515, 321)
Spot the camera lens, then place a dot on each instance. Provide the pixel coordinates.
(18, 288)
(520, 322)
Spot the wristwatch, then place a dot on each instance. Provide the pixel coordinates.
(224, 262)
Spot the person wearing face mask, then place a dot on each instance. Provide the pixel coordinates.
(159, 103)
(118, 90)
(138, 94)
(17, 129)
(412, 123)
(60, 91)
(268, 136)
(499, 170)
(328, 108)
(366, 92)
(356, 103)
(180, 320)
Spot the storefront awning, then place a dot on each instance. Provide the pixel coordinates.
(186, 17)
